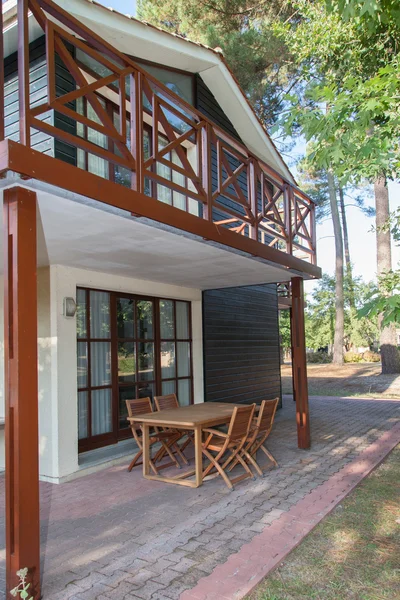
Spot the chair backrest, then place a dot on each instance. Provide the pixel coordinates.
(266, 415)
(166, 402)
(240, 422)
(139, 406)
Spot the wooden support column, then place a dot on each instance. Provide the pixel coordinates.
(21, 389)
(299, 367)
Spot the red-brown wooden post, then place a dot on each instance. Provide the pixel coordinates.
(299, 367)
(206, 135)
(21, 389)
(287, 216)
(136, 99)
(252, 187)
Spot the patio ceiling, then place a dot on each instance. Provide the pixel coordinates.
(88, 235)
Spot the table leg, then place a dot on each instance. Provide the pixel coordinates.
(198, 456)
(146, 450)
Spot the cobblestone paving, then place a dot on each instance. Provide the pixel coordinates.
(115, 536)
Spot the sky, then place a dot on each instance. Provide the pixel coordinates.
(361, 236)
(123, 6)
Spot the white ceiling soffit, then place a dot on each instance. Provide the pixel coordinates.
(73, 234)
(143, 41)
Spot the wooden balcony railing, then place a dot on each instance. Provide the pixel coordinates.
(219, 178)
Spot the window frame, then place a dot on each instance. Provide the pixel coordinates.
(117, 434)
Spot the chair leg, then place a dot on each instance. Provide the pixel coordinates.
(178, 451)
(271, 458)
(134, 461)
(253, 462)
(214, 462)
(170, 454)
(245, 466)
(187, 442)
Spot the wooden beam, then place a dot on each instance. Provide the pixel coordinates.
(37, 165)
(299, 366)
(21, 389)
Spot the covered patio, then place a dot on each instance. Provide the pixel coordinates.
(145, 539)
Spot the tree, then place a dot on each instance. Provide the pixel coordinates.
(325, 190)
(284, 332)
(383, 301)
(320, 315)
(353, 70)
(295, 60)
(242, 30)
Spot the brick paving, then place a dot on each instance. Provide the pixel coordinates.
(115, 536)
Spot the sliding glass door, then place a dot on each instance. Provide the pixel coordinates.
(127, 347)
(95, 414)
(135, 349)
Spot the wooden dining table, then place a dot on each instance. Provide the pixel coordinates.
(195, 417)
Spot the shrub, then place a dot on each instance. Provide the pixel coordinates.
(318, 358)
(370, 356)
(352, 357)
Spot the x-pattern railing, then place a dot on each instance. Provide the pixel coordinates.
(232, 187)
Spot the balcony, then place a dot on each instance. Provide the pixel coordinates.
(160, 158)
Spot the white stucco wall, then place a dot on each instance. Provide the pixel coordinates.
(64, 281)
(58, 414)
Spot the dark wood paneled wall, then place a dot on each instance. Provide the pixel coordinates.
(241, 344)
(207, 104)
(41, 142)
(38, 94)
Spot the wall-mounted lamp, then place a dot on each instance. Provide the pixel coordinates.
(69, 307)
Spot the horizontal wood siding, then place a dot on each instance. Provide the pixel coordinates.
(65, 83)
(207, 104)
(241, 344)
(41, 142)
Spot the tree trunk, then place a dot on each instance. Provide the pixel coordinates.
(388, 342)
(349, 273)
(339, 301)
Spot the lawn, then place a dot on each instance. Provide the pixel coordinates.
(360, 379)
(354, 553)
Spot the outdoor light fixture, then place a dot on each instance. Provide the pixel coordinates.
(69, 307)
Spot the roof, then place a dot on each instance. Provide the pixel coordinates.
(146, 41)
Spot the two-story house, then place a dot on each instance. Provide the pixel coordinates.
(148, 218)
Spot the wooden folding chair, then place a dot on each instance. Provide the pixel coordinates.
(232, 442)
(166, 438)
(171, 401)
(259, 431)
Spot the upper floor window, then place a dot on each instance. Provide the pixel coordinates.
(179, 82)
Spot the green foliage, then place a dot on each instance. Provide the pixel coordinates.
(318, 358)
(314, 181)
(284, 328)
(384, 300)
(320, 315)
(370, 356)
(21, 590)
(350, 106)
(352, 357)
(243, 31)
(375, 13)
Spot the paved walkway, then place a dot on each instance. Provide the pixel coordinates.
(115, 536)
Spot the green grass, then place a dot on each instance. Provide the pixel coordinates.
(354, 554)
